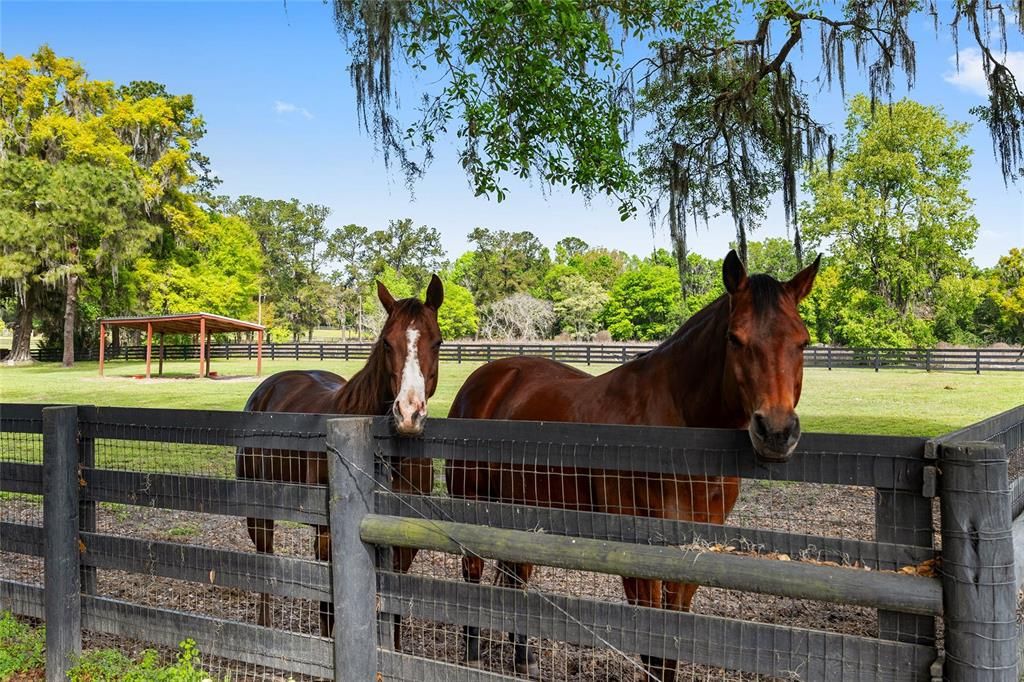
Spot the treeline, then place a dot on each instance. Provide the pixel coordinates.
(107, 208)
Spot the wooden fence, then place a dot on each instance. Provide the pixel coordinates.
(975, 593)
(928, 359)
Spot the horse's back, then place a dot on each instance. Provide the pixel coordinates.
(511, 387)
(309, 391)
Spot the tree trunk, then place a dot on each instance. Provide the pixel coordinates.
(70, 310)
(21, 344)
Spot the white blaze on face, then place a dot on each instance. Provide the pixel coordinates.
(411, 402)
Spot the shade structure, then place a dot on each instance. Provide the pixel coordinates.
(201, 324)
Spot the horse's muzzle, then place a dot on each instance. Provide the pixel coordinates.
(409, 422)
(774, 436)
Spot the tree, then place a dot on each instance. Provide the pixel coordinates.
(295, 245)
(578, 303)
(552, 90)
(458, 317)
(1006, 296)
(414, 252)
(894, 212)
(505, 263)
(773, 256)
(137, 134)
(644, 304)
(519, 316)
(568, 250)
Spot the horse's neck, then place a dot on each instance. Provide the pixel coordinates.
(369, 389)
(689, 368)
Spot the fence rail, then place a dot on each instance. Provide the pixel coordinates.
(366, 518)
(928, 359)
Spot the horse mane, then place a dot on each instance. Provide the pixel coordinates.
(765, 290)
(369, 389)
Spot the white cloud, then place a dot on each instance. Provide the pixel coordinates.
(971, 76)
(289, 108)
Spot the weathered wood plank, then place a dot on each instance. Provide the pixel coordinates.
(874, 461)
(772, 650)
(979, 585)
(353, 562)
(794, 579)
(22, 599)
(283, 576)
(986, 428)
(21, 538)
(651, 531)
(277, 649)
(259, 499)
(17, 477)
(266, 430)
(21, 417)
(397, 666)
(62, 578)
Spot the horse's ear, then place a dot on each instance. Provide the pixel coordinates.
(435, 293)
(734, 275)
(802, 281)
(386, 299)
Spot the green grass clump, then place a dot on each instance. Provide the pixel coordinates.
(109, 665)
(22, 647)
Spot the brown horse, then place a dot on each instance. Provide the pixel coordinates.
(738, 363)
(399, 377)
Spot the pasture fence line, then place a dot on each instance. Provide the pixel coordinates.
(829, 357)
(80, 462)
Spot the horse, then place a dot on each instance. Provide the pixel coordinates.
(736, 364)
(399, 377)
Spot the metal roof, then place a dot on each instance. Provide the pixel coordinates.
(185, 323)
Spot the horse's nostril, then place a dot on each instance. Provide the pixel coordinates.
(760, 426)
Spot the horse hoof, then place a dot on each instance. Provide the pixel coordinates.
(531, 670)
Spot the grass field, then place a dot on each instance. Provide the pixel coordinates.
(841, 401)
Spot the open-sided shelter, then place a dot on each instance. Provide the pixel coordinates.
(201, 324)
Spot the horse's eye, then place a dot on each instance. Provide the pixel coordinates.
(735, 341)
(805, 344)
(387, 346)
(437, 344)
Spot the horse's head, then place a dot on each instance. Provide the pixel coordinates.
(411, 343)
(765, 353)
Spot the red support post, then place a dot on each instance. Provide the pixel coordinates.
(259, 352)
(103, 343)
(149, 346)
(202, 347)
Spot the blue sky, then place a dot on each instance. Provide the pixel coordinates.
(270, 79)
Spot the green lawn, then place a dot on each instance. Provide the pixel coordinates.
(844, 401)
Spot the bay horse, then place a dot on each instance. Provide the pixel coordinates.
(736, 364)
(399, 377)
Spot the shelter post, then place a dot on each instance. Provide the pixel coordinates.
(160, 372)
(202, 347)
(103, 343)
(149, 347)
(259, 352)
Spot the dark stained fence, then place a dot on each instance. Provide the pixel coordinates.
(929, 359)
(174, 466)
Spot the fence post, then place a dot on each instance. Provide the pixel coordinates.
(87, 508)
(977, 361)
(830, 359)
(878, 359)
(928, 359)
(62, 579)
(979, 589)
(588, 354)
(350, 471)
(458, 353)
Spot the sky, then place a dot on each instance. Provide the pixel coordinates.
(270, 79)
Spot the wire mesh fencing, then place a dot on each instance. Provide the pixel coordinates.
(523, 531)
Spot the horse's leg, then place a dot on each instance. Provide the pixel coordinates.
(261, 531)
(323, 553)
(678, 597)
(472, 571)
(526, 661)
(410, 476)
(643, 592)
